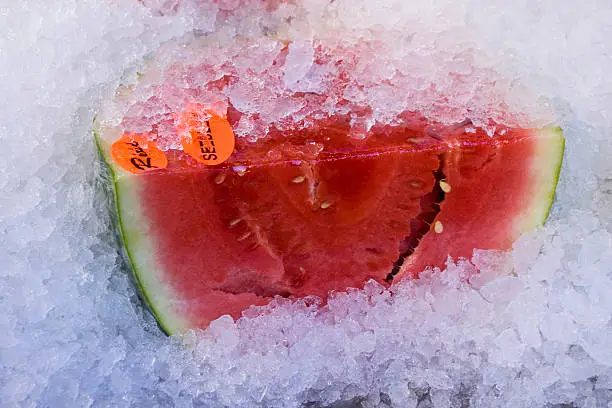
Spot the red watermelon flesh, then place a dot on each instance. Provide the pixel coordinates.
(497, 189)
(313, 210)
(299, 226)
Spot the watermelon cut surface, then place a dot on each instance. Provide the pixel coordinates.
(281, 218)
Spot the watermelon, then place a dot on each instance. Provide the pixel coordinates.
(312, 210)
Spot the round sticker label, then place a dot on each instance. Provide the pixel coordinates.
(206, 137)
(134, 153)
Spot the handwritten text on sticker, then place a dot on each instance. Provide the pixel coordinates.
(205, 136)
(134, 153)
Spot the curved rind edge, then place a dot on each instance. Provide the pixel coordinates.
(561, 155)
(546, 168)
(169, 322)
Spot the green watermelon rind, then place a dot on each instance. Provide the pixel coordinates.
(546, 167)
(153, 291)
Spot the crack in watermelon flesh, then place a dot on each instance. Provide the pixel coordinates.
(421, 224)
(314, 211)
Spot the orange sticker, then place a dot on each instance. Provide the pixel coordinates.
(205, 136)
(134, 153)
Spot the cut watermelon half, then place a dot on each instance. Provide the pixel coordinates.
(311, 211)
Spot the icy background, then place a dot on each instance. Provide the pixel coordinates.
(71, 330)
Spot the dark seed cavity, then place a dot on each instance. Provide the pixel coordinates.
(421, 225)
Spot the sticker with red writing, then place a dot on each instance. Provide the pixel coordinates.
(205, 136)
(134, 153)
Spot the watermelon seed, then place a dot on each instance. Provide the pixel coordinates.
(220, 178)
(445, 186)
(298, 180)
(244, 236)
(325, 204)
(438, 227)
(234, 222)
(416, 183)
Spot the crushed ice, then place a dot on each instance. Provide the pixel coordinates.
(533, 329)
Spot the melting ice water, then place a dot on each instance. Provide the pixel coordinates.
(538, 334)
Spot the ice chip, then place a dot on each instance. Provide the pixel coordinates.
(297, 65)
(598, 344)
(502, 289)
(509, 348)
(400, 395)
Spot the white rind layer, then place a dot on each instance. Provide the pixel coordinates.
(138, 242)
